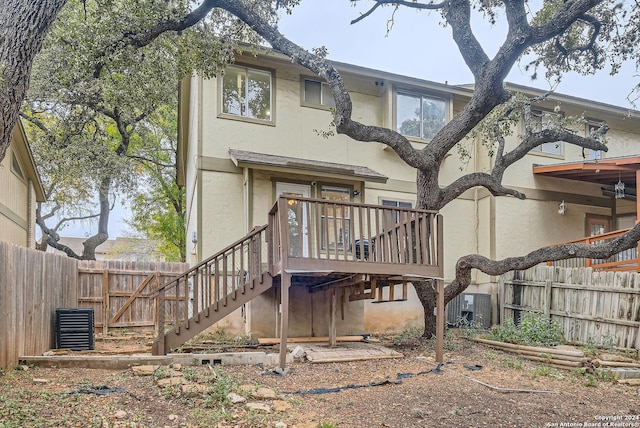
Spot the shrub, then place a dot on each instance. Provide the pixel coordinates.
(534, 329)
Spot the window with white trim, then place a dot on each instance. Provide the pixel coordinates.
(316, 93)
(419, 115)
(393, 216)
(247, 92)
(591, 154)
(15, 167)
(545, 120)
(337, 218)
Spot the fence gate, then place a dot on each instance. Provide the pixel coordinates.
(120, 292)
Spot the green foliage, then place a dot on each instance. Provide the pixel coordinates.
(162, 372)
(220, 386)
(541, 371)
(408, 336)
(514, 363)
(534, 330)
(102, 112)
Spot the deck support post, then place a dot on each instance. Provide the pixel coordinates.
(332, 319)
(439, 321)
(285, 283)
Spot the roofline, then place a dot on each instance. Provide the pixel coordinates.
(25, 151)
(631, 113)
(457, 89)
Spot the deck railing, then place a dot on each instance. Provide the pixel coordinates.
(322, 232)
(213, 281)
(622, 261)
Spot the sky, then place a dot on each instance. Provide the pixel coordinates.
(417, 46)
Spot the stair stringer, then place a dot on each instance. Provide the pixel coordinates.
(204, 319)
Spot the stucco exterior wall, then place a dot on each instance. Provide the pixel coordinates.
(225, 201)
(15, 203)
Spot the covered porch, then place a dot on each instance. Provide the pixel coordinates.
(618, 178)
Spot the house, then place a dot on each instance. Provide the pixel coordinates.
(262, 129)
(120, 248)
(20, 191)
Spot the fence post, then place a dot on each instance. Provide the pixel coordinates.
(105, 301)
(547, 298)
(159, 343)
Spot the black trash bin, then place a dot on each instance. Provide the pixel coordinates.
(365, 249)
(74, 329)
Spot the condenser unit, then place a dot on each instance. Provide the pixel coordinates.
(74, 329)
(470, 309)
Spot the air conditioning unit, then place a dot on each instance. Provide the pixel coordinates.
(469, 309)
(74, 329)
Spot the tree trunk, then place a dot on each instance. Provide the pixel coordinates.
(427, 296)
(427, 199)
(23, 25)
(102, 235)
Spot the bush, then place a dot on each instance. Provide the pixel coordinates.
(534, 329)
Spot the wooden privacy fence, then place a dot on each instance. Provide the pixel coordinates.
(120, 292)
(591, 306)
(32, 285)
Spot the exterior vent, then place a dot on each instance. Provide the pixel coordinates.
(469, 309)
(74, 329)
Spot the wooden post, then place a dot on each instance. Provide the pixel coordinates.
(285, 283)
(105, 301)
(159, 343)
(285, 279)
(547, 298)
(332, 319)
(439, 320)
(638, 221)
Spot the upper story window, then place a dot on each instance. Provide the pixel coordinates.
(247, 92)
(419, 116)
(545, 120)
(15, 166)
(316, 93)
(589, 153)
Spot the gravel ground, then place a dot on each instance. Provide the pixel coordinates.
(405, 392)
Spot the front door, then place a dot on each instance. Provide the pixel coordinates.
(597, 225)
(298, 227)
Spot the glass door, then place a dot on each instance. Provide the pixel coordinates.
(297, 217)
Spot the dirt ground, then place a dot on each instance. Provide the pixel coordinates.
(405, 392)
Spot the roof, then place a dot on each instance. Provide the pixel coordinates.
(602, 171)
(252, 159)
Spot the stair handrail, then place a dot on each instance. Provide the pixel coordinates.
(251, 235)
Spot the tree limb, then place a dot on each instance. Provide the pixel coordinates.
(412, 4)
(458, 15)
(467, 263)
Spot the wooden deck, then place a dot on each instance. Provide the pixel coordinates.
(626, 260)
(313, 243)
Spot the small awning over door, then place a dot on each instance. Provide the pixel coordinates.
(255, 160)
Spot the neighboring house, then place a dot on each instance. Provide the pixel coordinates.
(21, 189)
(259, 131)
(127, 249)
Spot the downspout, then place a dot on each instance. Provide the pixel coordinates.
(247, 204)
(199, 182)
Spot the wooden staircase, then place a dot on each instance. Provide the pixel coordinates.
(210, 291)
(365, 251)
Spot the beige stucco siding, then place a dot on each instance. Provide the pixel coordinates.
(15, 214)
(523, 226)
(222, 221)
